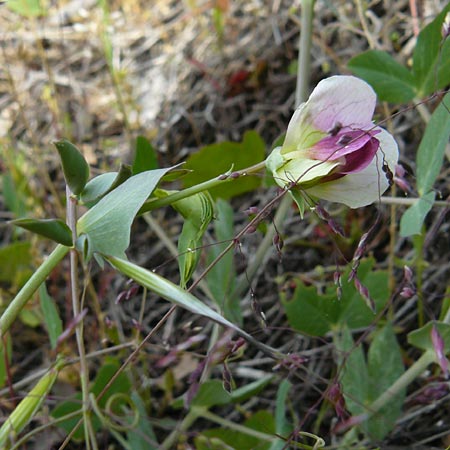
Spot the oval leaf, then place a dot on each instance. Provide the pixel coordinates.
(421, 338)
(432, 146)
(392, 81)
(216, 159)
(431, 59)
(97, 187)
(75, 167)
(145, 157)
(413, 218)
(54, 229)
(108, 223)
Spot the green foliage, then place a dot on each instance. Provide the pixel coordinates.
(142, 437)
(395, 83)
(421, 338)
(211, 393)
(27, 8)
(432, 146)
(413, 218)
(282, 425)
(198, 211)
(312, 313)
(216, 159)
(391, 81)
(27, 408)
(52, 320)
(5, 358)
(431, 58)
(13, 196)
(107, 225)
(15, 261)
(363, 382)
(121, 385)
(262, 421)
(75, 167)
(98, 187)
(221, 278)
(54, 229)
(145, 157)
(429, 162)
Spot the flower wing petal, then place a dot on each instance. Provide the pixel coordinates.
(362, 188)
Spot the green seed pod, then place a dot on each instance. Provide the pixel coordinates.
(28, 407)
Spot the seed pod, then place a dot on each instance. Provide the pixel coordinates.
(29, 406)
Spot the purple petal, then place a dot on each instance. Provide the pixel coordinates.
(359, 160)
(364, 187)
(345, 142)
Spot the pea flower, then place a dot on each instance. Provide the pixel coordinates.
(332, 149)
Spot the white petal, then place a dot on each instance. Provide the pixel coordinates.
(365, 187)
(347, 100)
(341, 99)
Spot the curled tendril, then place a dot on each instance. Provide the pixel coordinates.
(109, 418)
(320, 443)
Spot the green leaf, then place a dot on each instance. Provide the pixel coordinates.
(413, 218)
(14, 198)
(173, 293)
(52, 320)
(198, 212)
(431, 150)
(421, 338)
(385, 366)
(142, 437)
(97, 187)
(101, 185)
(211, 393)
(222, 277)
(354, 373)
(391, 81)
(145, 157)
(431, 59)
(282, 426)
(70, 407)
(27, 8)
(262, 421)
(75, 167)
(15, 259)
(121, 384)
(216, 159)
(316, 314)
(5, 356)
(54, 229)
(108, 223)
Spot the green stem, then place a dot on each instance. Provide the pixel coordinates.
(170, 440)
(152, 204)
(304, 53)
(30, 287)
